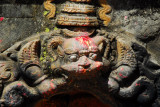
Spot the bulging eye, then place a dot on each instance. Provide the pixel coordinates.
(93, 56)
(73, 58)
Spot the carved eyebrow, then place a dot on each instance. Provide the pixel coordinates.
(70, 51)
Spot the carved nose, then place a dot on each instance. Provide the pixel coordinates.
(84, 62)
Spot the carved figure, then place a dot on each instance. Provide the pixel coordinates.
(75, 57)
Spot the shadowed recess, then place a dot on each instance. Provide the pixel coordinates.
(80, 100)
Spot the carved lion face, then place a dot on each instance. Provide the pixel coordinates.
(81, 55)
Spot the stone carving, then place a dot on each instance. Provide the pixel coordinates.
(9, 71)
(78, 56)
(78, 32)
(77, 8)
(50, 7)
(103, 11)
(67, 20)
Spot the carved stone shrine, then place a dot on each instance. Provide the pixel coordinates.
(86, 53)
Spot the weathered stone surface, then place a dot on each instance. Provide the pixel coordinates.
(20, 21)
(141, 24)
(154, 49)
(17, 11)
(139, 17)
(12, 33)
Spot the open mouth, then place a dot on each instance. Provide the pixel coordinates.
(74, 100)
(82, 70)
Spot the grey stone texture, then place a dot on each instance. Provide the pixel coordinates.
(139, 17)
(20, 21)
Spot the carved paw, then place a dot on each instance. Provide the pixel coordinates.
(47, 87)
(14, 93)
(121, 73)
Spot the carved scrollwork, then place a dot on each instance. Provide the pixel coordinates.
(103, 11)
(50, 7)
(28, 55)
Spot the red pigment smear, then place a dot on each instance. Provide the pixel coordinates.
(117, 77)
(122, 69)
(50, 91)
(138, 84)
(25, 94)
(52, 85)
(19, 84)
(0, 41)
(125, 17)
(84, 71)
(11, 101)
(98, 65)
(10, 97)
(122, 75)
(85, 41)
(1, 18)
(87, 17)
